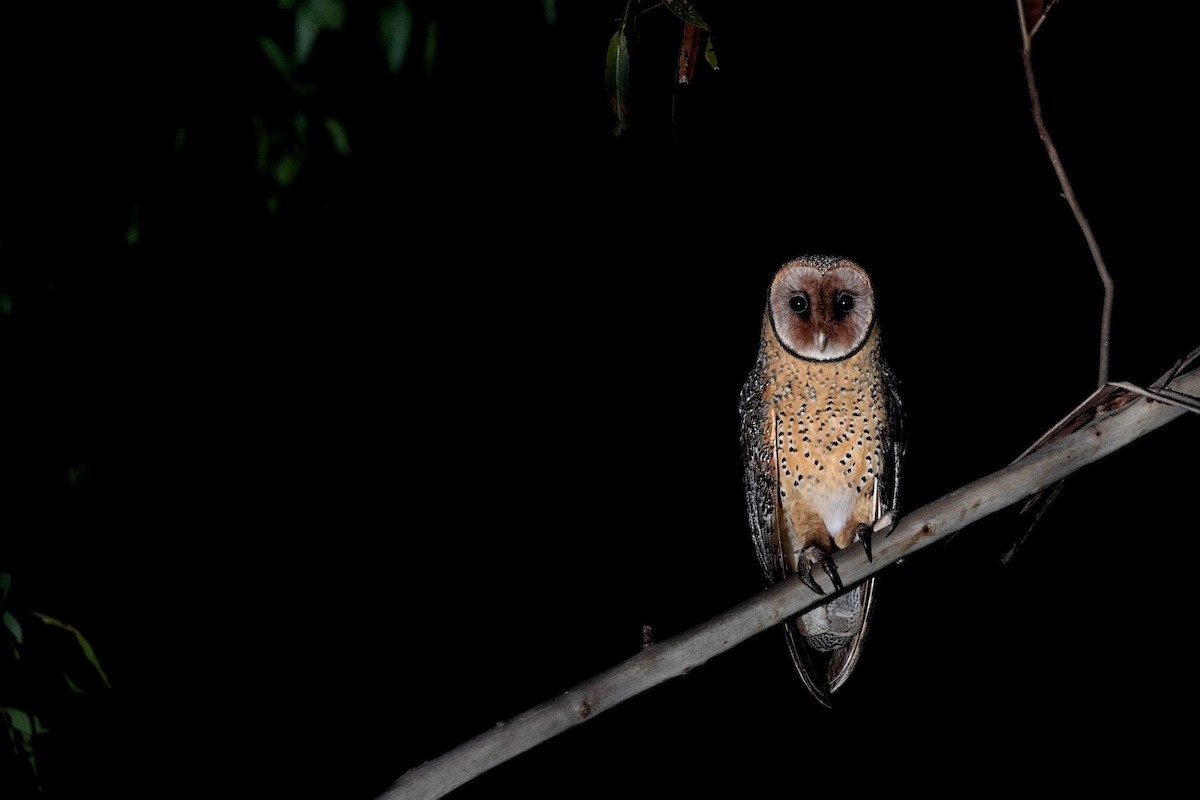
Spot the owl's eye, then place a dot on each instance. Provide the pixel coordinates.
(798, 303)
(843, 303)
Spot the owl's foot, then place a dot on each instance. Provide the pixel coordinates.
(863, 534)
(804, 564)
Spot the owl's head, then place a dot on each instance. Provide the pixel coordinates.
(822, 308)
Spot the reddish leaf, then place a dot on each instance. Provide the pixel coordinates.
(689, 53)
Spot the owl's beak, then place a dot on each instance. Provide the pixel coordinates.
(822, 340)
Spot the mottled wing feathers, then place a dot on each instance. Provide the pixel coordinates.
(761, 481)
(894, 442)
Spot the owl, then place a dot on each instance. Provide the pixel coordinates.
(822, 442)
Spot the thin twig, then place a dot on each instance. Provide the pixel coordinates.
(1068, 194)
(1040, 502)
(1184, 401)
(1179, 367)
(1042, 18)
(659, 662)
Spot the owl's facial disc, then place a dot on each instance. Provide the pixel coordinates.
(821, 312)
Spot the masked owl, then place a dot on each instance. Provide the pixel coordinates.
(822, 442)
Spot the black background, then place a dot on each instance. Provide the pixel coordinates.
(433, 443)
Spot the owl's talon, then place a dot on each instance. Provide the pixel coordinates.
(815, 555)
(804, 573)
(863, 532)
(832, 572)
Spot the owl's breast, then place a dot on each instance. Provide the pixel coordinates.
(825, 444)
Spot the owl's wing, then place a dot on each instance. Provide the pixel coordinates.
(894, 442)
(761, 480)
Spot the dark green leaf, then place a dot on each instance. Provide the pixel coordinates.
(306, 35)
(21, 727)
(27, 724)
(710, 55)
(275, 55)
(90, 654)
(326, 13)
(395, 30)
(337, 133)
(686, 12)
(311, 18)
(14, 626)
(84, 644)
(616, 78)
(286, 169)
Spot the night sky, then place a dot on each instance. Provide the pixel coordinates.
(427, 443)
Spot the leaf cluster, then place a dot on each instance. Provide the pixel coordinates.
(44, 663)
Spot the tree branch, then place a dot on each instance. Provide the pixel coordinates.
(673, 657)
(1068, 193)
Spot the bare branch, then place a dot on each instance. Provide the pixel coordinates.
(1068, 193)
(656, 663)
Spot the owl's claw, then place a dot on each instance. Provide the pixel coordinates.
(885, 522)
(863, 532)
(815, 555)
(805, 575)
